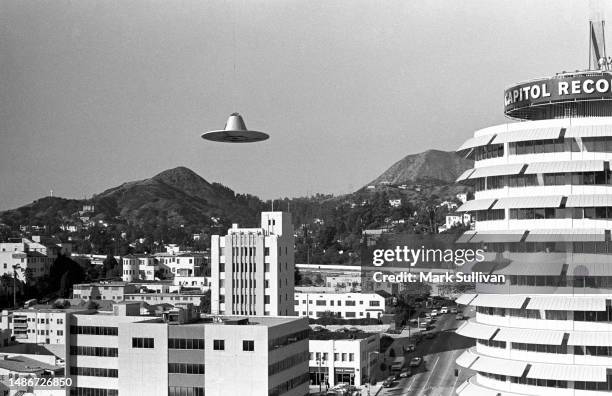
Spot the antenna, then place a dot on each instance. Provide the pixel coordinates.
(598, 59)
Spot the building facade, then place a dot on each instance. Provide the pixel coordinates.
(341, 305)
(252, 269)
(122, 353)
(543, 212)
(342, 358)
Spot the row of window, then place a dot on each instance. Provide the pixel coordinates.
(94, 330)
(185, 391)
(288, 362)
(547, 179)
(288, 385)
(288, 339)
(579, 316)
(185, 368)
(579, 385)
(600, 212)
(94, 372)
(490, 151)
(80, 391)
(338, 357)
(348, 303)
(185, 343)
(138, 342)
(549, 247)
(549, 146)
(492, 343)
(93, 351)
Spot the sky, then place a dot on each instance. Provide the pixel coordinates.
(97, 93)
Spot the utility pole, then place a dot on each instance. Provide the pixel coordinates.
(15, 267)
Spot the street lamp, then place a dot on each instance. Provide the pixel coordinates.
(370, 369)
(320, 360)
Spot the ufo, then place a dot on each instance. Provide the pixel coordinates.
(235, 132)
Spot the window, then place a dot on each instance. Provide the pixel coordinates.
(185, 368)
(349, 303)
(351, 357)
(185, 391)
(185, 343)
(248, 345)
(219, 345)
(266, 299)
(142, 342)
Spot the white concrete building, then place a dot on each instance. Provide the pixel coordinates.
(543, 203)
(341, 358)
(114, 291)
(341, 305)
(181, 354)
(252, 269)
(139, 267)
(181, 264)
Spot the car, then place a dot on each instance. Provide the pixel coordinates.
(409, 348)
(388, 383)
(434, 312)
(453, 310)
(459, 316)
(415, 361)
(430, 335)
(405, 373)
(444, 310)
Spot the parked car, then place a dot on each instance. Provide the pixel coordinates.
(444, 310)
(405, 373)
(415, 361)
(388, 383)
(453, 310)
(409, 348)
(459, 316)
(434, 312)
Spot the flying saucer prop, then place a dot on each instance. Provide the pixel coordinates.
(235, 132)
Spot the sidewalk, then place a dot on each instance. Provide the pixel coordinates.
(362, 390)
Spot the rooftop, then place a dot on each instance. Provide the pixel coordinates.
(23, 364)
(347, 333)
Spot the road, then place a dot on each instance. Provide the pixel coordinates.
(435, 376)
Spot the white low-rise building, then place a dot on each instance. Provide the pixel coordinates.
(341, 305)
(341, 358)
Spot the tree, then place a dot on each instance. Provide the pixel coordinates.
(205, 303)
(297, 277)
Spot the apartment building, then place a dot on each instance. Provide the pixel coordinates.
(252, 269)
(27, 256)
(114, 291)
(182, 264)
(182, 354)
(139, 267)
(341, 358)
(342, 305)
(166, 298)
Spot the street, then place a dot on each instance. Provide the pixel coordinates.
(435, 376)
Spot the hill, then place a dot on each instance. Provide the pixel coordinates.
(176, 197)
(444, 166)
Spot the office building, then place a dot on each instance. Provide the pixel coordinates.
(182, 354)
(543, 211)
(252, 269)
